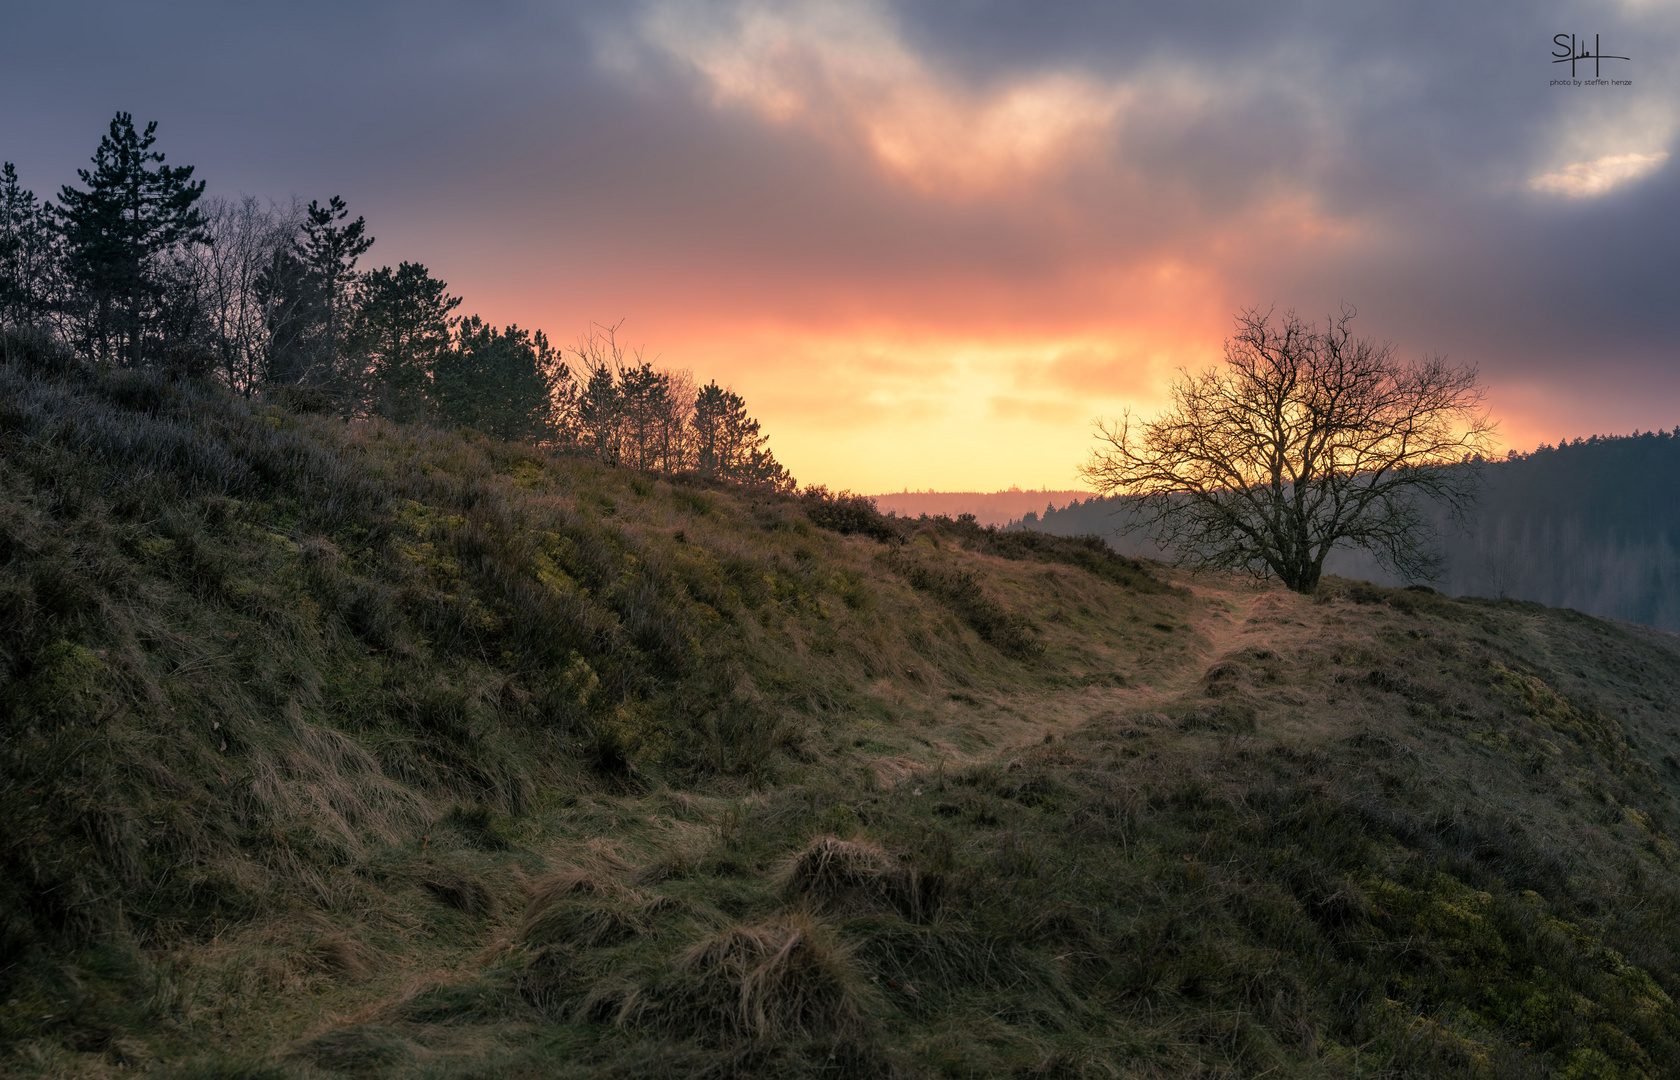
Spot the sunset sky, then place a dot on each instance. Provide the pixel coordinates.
(930, 241)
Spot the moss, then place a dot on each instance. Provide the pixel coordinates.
(69, 683)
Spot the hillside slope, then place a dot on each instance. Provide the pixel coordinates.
(378, 751)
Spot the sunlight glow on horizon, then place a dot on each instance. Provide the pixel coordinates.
(969, 264)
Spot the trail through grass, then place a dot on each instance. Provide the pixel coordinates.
(380, 751)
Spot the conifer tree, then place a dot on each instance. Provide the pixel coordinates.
(28, 253)
(328, 250)
(402, 327)
(599, 410)
(725, 436)
(117, 235)
(501, 382)
(287, 301)
(647, 412)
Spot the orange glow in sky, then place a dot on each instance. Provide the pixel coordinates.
(925, 276)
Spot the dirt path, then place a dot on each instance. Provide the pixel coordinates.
(1229, 619)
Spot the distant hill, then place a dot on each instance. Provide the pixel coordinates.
(988, 507)
(1593, 525)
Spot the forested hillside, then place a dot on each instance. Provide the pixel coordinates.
(987, 507)
(137, 268)
(1592, 525)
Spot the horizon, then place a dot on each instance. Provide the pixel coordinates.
(930, 249)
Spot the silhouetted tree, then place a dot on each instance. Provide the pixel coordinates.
(288, 302)
(118, 234)
(28, 254)
(501, 382)
(762, 468)
(728, 443)
(328, 249)
(245, 238)
(1306, 439)
(402, 327)
(649, 418)
(599, 410)
(600, 405)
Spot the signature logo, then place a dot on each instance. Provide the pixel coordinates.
(1572, 51)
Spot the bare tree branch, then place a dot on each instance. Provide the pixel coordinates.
(1304, 440)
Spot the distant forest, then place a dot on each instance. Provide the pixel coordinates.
(1592, 524)
(135, 268)
(988, 507)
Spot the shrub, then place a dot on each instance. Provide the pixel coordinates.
(846, 514)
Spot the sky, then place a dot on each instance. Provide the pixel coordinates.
(930, 242)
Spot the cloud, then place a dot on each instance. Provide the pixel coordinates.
(1585, 179)
(843, 70)
(916, 232)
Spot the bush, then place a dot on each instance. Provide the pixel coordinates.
(847, 514)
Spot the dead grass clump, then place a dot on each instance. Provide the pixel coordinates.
(1232, 714)
(594, 869)
(588, 923)
(771, 981)
(850, 876)
(552, 980)
(358, 1050)
(466, 893)
(341, 957)
(550, 888)
(585, 904)
(1227, 677)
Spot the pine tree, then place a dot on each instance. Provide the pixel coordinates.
(712, 403)
(646, 412)
(402, 326)
(288, 301)
(502, 382)
(117, 236)
(328, 251)
(728, 442)
(28, 253)
(600, 407)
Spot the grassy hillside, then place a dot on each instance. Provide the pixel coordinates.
(377, 751)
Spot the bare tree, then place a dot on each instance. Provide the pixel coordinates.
(677, 424)
(245, 237)
(1306, 439)
(599, 405)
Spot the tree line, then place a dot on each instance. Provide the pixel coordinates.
(135, 267)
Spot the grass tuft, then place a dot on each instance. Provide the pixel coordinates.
(851, 876)
(775, 980)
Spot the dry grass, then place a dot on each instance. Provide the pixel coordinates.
(774, 980)
(852, 876)
(376, 751)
